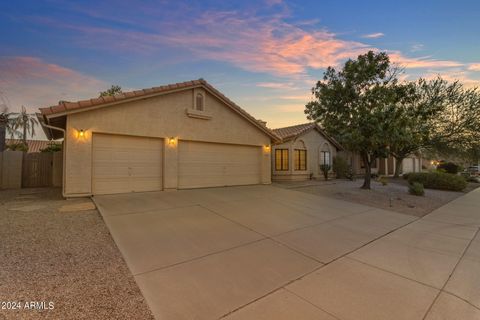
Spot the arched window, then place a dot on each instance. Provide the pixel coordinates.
(325, 156)
(199, 102)
(300, 154)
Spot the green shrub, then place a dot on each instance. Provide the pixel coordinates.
(438, 180)
(416, 189)
(325, 169)
(340, 167)
(405, 176)
(52, 147)
(449, 167)
(19, 146)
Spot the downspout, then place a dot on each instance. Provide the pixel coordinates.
(64, 153)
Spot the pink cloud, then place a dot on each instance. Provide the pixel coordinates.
(34, 83)
(277, 85)
(474, 67)
(373, 35)
(422, 62)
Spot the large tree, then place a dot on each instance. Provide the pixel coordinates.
(353, 105)
(410, 120)
(456, 129)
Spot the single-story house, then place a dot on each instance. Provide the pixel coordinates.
(179, 136)
(303, 149)
(384, 166)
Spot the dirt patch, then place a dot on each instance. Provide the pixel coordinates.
(393, 196)
(67, 258)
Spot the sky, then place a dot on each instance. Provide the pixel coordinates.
(265, 55)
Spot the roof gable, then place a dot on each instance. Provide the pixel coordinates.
(293, 132)
(64, 107)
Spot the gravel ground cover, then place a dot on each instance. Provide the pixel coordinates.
(394, 196)
(60, 251)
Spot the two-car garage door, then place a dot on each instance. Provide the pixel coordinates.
(135, 164)
(126, 164)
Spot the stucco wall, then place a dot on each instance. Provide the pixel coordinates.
(163, 117)
(313, 141)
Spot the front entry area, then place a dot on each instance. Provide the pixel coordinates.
(124, 164)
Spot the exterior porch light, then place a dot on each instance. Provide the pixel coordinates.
(266, 148)
(171, 141)
(80, 134)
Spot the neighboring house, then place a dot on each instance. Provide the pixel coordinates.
(384, 166)
(302, 150)
(185, 135)
(33, 145)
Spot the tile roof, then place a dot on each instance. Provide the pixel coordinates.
(64, 107)
(291, 132)
(33, 145)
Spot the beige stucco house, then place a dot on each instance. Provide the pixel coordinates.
(185, 135)
(384, 166)
(302, 150)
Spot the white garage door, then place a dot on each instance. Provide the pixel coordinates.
(214, 164)
(407, 165)
(126, 164)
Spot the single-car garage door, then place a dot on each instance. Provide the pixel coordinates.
(126, 164)
(214, 164)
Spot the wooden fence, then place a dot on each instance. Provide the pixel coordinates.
(37, 169)
(30, 170)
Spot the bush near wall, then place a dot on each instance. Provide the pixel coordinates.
(416, 189)
(438, 180)
(449, 167)
(340, 167)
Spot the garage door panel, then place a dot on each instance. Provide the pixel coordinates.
(126, 164)
(213, 164)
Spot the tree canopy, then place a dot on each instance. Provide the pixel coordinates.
(355, 103)
(114, 89)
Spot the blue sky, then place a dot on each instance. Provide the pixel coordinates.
(264, 55)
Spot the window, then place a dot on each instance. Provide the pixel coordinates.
(325, 157)
(300, 159)
(281, 159)
(199, 102)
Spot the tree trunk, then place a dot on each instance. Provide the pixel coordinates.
(368, 173)
(25, 134)
(398, 166)
(3, 129)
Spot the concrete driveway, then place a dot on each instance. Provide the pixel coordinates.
(261, 252)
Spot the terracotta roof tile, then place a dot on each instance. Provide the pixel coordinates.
(287, 133)
(33, 145)
(292, 131)
(108, 99)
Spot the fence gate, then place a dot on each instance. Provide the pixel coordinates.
(37, 169)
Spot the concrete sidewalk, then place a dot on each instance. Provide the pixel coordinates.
(429, 269)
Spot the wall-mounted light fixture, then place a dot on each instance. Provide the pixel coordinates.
(80, 134)
(266, 148)
(172, 141)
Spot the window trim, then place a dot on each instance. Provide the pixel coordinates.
(282, 153)
(323, 157)
(297, 157)
(202, 99)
